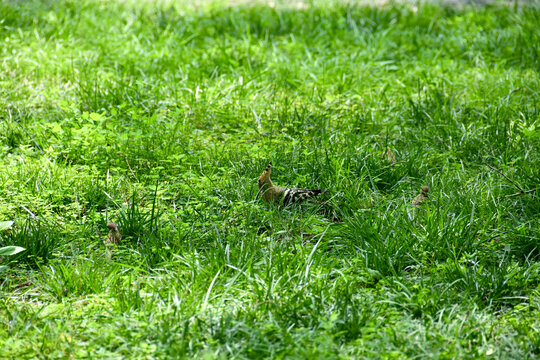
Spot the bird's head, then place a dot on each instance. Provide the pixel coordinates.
(264, 180)
(112, 226)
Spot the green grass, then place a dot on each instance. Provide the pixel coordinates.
(161, 116)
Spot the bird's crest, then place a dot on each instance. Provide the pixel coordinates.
(265, 176)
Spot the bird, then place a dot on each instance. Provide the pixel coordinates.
(422, 197)
(114, 234)
(282, 195)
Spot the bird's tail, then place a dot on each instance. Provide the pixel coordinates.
(292, 196)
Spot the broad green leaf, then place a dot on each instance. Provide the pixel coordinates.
(5, 225)
(11, 250)
(95, 116)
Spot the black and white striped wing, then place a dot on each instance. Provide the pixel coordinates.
(291, 196)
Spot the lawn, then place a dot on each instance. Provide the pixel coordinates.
(161, 115)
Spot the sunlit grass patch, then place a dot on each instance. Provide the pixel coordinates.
(160, 116)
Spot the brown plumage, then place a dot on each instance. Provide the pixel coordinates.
(422, 197)
(283, 195)
(114, 234)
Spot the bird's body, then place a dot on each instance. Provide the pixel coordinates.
(285, 196)
(422, 197)
(114, 234)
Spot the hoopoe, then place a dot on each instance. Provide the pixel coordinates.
(114, 234)
(422, 197)
(283, 195)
